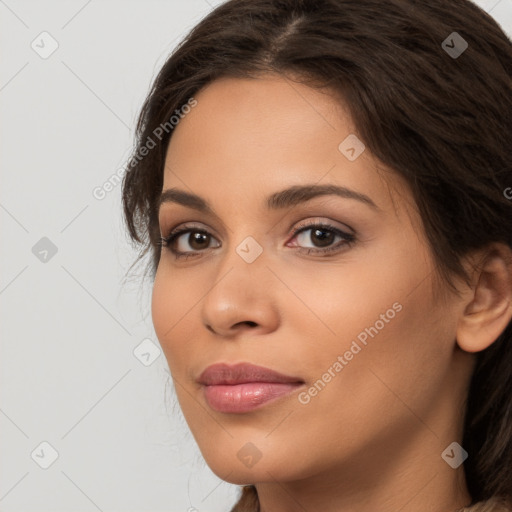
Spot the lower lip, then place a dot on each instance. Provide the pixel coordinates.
(245, 397)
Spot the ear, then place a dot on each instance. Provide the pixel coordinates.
(488, 310)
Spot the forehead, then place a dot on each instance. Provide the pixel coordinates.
(248, 138)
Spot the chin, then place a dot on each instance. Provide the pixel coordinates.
(241, 466)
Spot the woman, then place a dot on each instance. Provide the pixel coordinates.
(322, 188)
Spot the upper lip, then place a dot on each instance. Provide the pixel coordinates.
(224, 374)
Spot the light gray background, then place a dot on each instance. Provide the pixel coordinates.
(69, 325)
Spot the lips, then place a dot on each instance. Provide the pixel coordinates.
(244, 387)
(241, 373)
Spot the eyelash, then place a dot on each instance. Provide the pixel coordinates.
(348, 239)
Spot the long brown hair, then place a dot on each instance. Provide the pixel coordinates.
(442, 120)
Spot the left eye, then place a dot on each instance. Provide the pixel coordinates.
(325, 235)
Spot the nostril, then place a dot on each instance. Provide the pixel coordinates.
(249, 323)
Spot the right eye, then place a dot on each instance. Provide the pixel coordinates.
(197, 239)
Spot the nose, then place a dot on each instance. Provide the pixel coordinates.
(242, 299)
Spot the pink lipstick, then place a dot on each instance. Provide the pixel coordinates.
(244, 387)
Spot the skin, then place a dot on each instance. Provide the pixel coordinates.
(372, 438)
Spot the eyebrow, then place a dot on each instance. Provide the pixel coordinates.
(279, 200)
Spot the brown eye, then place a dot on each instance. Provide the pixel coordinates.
(321, 237)
(197, 240)
(187, 241)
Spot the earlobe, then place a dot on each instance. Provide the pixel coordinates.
(489, 309)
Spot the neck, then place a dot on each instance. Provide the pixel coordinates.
(408, 475)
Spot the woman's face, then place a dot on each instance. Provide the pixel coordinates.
(331, 290)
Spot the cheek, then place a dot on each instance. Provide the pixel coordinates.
(364, 293)
(396, 370)
(381, 315)
(160, 310)
(168, 311)
(401, 363)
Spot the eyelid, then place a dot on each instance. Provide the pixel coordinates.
(315, 221)
(181, 226)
